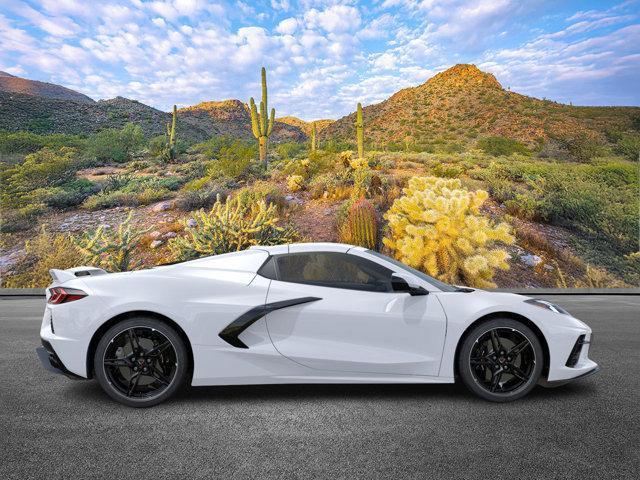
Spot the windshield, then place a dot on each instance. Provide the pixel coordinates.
(445, 287)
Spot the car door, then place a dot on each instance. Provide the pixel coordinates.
(348, 318)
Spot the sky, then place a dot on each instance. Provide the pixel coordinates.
(322, 57)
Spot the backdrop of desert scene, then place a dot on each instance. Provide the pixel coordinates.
(459, 177)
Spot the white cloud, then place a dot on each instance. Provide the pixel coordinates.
(287, 26)
(335, 19)
(159, 22)
(56, 26)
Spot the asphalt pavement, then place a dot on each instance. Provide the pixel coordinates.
(52, 427)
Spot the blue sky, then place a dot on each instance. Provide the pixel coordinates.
(322, 56)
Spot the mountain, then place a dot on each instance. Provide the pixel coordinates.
(305, 126)
(19, 111)
(232, 117)
(16, 85)
(48, 108)
(464, 103)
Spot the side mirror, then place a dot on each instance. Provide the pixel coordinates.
(400, 283)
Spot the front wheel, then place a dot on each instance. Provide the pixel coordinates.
(500, 360)
(140, 362)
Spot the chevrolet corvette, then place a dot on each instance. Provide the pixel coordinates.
(301, 313)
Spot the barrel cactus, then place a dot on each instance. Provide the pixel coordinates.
(361, 225)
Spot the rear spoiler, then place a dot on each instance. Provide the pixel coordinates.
(61, 276)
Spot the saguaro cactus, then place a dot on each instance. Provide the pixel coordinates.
(360, 132)
(314, 140)
(171, 136)
(260, 124)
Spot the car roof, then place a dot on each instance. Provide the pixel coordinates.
(307, 247)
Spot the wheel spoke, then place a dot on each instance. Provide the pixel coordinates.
(159, 349)
(117, 362)
(155, 373)
(495, 380)
(133, 384)
(158, 364)
(495, 341)
(516, 372)
(133, 338)
(481, 361)
(515, 351)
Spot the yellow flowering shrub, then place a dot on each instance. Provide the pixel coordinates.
(295, 182)
(436, 226)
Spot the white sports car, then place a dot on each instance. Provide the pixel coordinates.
(301, 313)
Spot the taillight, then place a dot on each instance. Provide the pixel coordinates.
(65, 295)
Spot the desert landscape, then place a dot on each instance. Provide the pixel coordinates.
(459, 177)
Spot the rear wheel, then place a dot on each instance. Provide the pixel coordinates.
(500, 360)
(140, 362)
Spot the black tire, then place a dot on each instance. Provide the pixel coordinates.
(141, 362)
(503, 373)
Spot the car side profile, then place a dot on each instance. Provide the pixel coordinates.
(301, 313)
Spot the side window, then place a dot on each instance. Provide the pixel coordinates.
(333, 269)
(268, 269)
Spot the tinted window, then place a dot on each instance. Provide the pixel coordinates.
(268, 269)
(445, 287)
(332, 269)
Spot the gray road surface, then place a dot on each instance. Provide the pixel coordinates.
(52, 427)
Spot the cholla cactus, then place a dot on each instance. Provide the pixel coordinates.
(437, 226)
(111, 249)
(231, 226)
(295, 182)
(361, 225)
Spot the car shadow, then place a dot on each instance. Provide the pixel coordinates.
(299, 392)
(90, 391)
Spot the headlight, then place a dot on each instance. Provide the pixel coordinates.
(547, 305)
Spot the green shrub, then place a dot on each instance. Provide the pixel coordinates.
(22, 218)
(233, 160)
(289, 150)
(44, 169)
(44, 252)
(629, 146)
(260, 190)
(157, 145)
(498, 146)
(189, 200)
(582, 146)
(523, 206)
(27, 142)
(67, 195)
(447, 171)
(126, 198)
(211, 148)
(116, 145)
(110, 200)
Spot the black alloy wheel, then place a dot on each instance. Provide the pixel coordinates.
(501, 360)
(140, 362)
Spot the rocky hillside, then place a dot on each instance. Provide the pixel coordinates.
(20, 111)
(464, 103)
(305, 126)
(47, 108)
(232, 117)
(16, 85)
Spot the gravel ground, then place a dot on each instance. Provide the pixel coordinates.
(53, 427)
